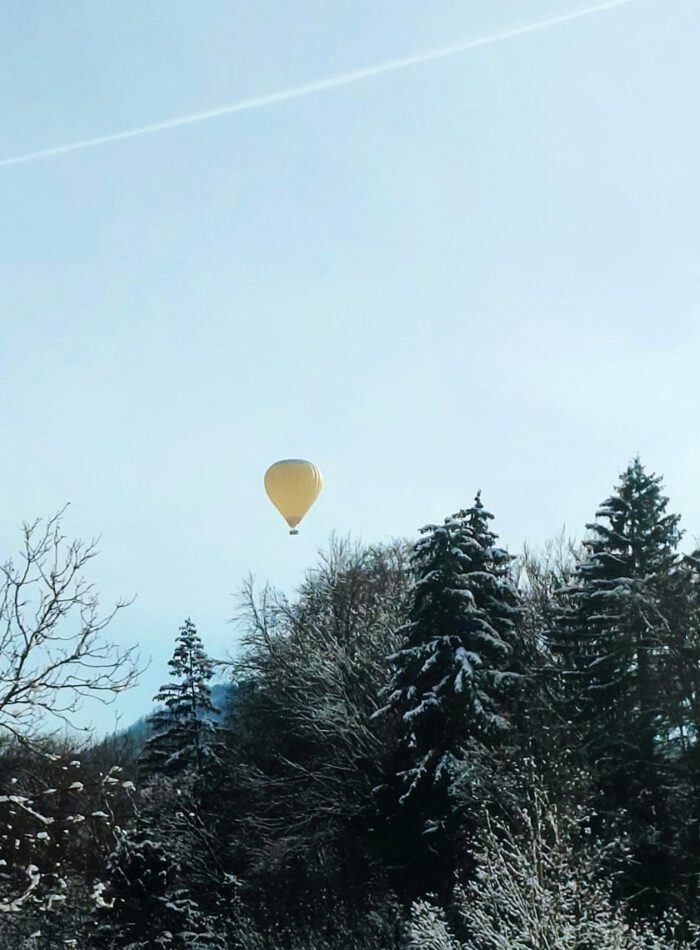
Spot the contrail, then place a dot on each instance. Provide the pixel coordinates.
(310, 88)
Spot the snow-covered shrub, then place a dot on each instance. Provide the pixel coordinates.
(538, 887)
(428, 929)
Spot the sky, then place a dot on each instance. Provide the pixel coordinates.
(480, 272)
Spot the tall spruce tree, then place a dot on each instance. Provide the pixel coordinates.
(450, 682)
(613, 640)
(613, 632)
(184, 732)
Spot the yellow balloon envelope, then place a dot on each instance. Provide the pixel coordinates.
(293, 485)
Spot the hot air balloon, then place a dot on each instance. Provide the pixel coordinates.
(293, 485)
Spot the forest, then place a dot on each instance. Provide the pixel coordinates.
(434, 744)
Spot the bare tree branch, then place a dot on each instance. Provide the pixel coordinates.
(52, 653)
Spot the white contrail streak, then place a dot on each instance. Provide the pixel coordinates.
(310, 88)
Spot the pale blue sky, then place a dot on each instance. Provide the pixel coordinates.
(482, 272)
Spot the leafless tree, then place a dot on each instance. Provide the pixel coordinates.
(52, 651)
(52, 656)
(544, 572)
(316, 666)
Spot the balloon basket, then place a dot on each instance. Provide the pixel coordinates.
(294, 531)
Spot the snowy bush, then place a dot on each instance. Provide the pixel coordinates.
(537, 888)
(428, 929)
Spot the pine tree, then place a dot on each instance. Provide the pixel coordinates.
(451, 676)
(184, 732)
(613, 640)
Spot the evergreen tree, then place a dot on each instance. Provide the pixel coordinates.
(146, 903)
(450, 681)
(613, 640)
(612, 634)
(184, 732)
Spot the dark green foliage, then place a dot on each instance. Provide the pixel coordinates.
(183, 734)
(615, 639)
(613, 634)
(452, 675)
(148, 903)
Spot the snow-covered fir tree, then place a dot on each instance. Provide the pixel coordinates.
(455, 663)
(613, 634)
(146, 903)
(453, 672)
(184, 731)
(614, 639)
